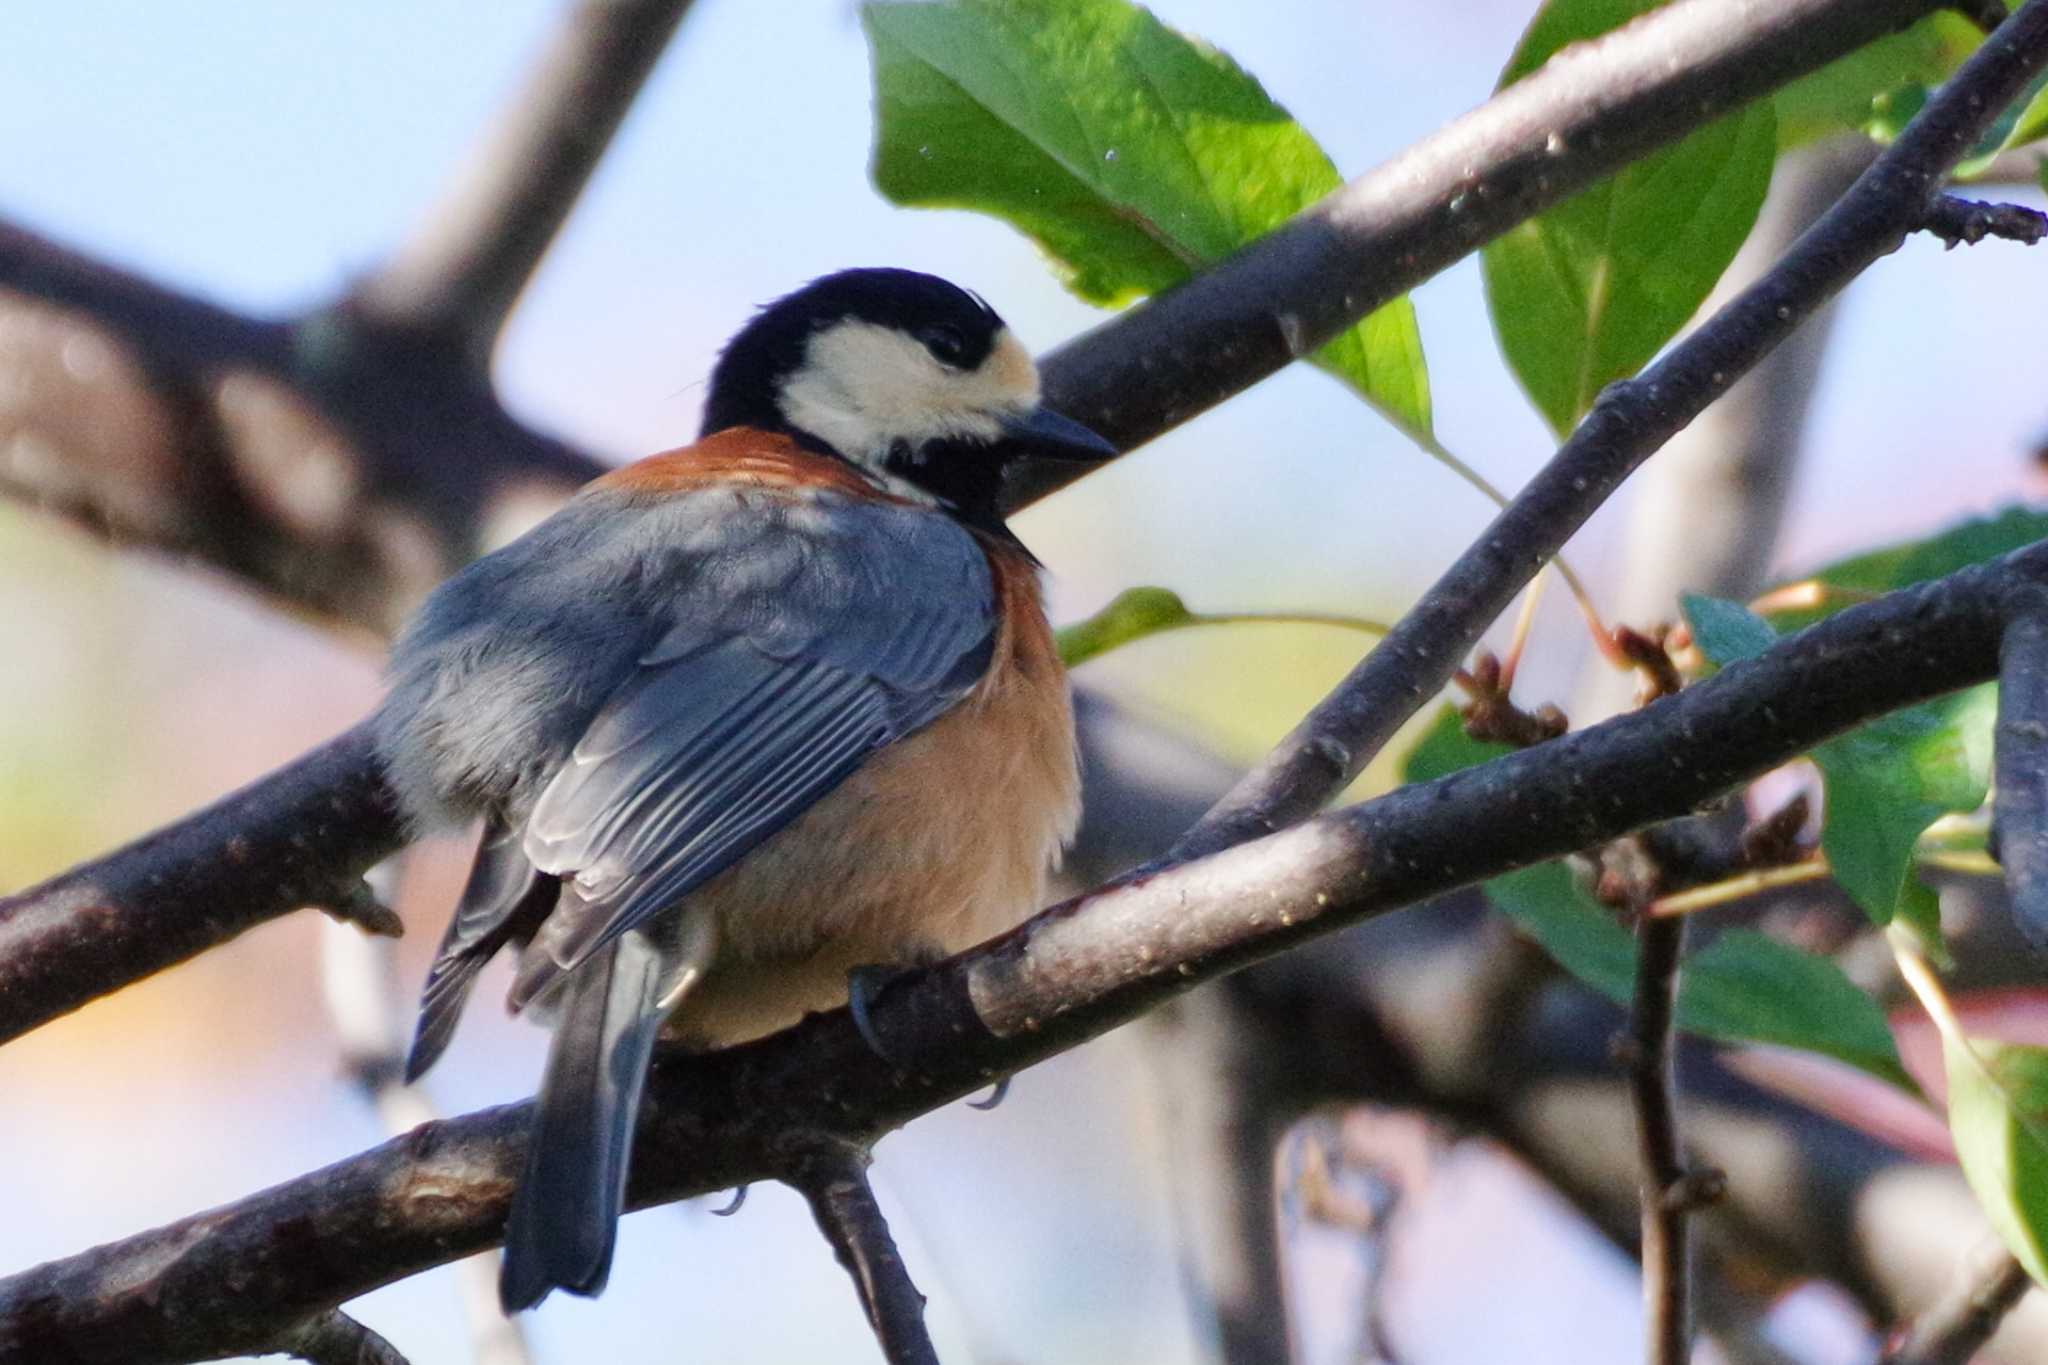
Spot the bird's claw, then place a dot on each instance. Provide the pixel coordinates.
(863, 983)
(994, 1096)
(739, 1197)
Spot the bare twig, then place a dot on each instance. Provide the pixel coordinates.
(1958, 221)
(461, 273)
(335, 1338)
(2020, 829)
(833, 1177)
(1628, 424)
(239, 1275)
(1667, 1268)
(1988, 1285)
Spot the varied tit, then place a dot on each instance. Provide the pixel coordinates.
(742, 718)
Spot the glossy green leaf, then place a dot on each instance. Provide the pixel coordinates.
(1137, 613)
(1725, 631)
(1131, 154)
(1742, 988)
(1998, 1112)
(1887, 781)
(1838, 97)
(1586, 293)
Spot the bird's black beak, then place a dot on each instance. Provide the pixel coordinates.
(1044, 433)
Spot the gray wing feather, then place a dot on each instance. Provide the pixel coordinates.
(746, 711)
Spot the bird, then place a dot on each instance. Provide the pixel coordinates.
(742, 720)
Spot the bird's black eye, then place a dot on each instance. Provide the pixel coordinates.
(946, 344)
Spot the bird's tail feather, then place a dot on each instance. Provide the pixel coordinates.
(565, 1214)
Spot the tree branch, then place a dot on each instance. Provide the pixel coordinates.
(1628, 423)
(834, 1178)
(335, 1338)
(1958, 221)
(1987, 1287)
(1667, 1260)
(234, 1278)
(2020, 826)
(459, 276)
(301, 836)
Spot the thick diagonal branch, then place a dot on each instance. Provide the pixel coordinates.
(239, 1275)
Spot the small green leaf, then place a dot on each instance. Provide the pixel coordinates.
(1920, 915)
(1742, 988)
(2025, 119)
(1586, 293)
(1997, 1110)
(1725, 631)
(1138, 612)
(1887, 781)
(1131, 615)
(1131, 154)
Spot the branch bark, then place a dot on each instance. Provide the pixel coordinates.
(1952, 1331)
(2020, 831)
(834, 1179)
(236, 1277)
(1667, 1259)
(303, 835)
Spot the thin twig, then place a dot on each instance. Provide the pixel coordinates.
(335, 1338)
(1988, 1285)
(2020, 830)
(236, 1276)
(479, 245)
(1966, 222)
(834, 1178)
(1667, 1271)
(1630, 421)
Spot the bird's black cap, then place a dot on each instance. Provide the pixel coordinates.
(958, 326)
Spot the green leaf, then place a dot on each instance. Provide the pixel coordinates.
(1585, 294)
(1138, 612)
(1131, 154)
(1997, 1110)
(1838, 97)
(1887, 781)
(1742, 988)
(1131, 615)
(1725, 631)
(1897, 566)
